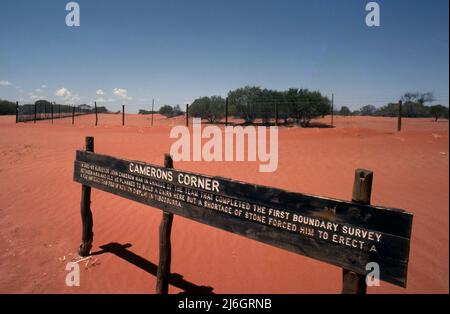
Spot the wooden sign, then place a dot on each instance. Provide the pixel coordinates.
(346, 234)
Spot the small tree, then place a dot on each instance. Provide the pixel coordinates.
(166, 111)
(438, 111)
(7, 107)
(345, 111)
(368, 110)
(177, 111)
(209, 108)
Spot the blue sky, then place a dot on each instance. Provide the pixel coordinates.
(175, 51)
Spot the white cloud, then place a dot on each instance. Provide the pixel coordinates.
(63, 92)
(38, 90)
(121, 92)
(67, 95)
(100, 92)
(100, 99)
(5, 83)
(43, 86)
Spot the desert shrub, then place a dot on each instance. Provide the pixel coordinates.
(301, 105)
(438, 111)
(345, 111)
(209, 108)
(7, 107)
(169, 111)
(166, 111)
(368, 110)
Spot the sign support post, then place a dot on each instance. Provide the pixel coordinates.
(226, 111)
(165, 247)
(86, 213)
(354, 283)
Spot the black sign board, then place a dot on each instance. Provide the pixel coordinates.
(342, 233)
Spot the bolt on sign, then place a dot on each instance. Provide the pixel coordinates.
(346, 234)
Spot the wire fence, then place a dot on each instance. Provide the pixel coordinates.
(48, 111)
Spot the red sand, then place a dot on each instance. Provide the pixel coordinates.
(41, 227)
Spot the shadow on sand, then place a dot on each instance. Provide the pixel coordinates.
(121, 250)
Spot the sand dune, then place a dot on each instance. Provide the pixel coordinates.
(40, 224)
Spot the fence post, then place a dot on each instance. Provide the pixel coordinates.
(96, 117)
(86, 213)
(73, 114)
(399, 122)
(165, 247)
(34, 112)
(17, 111)
(153, 104)
(187, 114)
(276, 114)
(123, 115)
(354, 283)
(332, 109)
(226, 111)
(52, 112)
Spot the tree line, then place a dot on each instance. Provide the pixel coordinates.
(44, 106)
(296, 105)
(413, 106)
(252, 103)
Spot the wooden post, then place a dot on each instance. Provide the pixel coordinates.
(51, 112)
(226, 111)
(187, 114)
(86, 214)
(165, 247)
(95, 110)
(276, 114)
(354, 283)
(34, 112)
(332, 109)
(123, 115)
(17, 111)
(73, 114)
(153, 105)
(399, 122)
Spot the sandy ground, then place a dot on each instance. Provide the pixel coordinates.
(40, 224)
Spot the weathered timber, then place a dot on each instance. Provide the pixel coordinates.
(342, 233)
(226, 111)
(165, 247)
(123, 115)
(352, 282)
(86, 213)
(96, 113)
